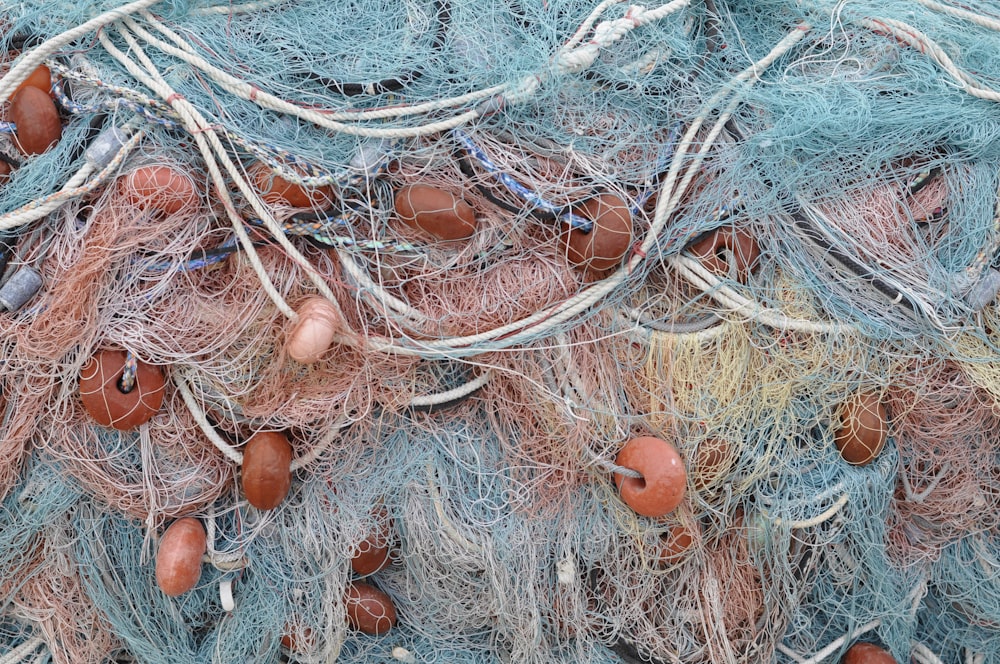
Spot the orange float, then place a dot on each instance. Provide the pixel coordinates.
(41, 78)
(661, 487)
(160, 188)
(373, 552)
(369, 610)
(267, 469)
(611, 237)
(105, 400)
(436, 212)
(318, 324)
(36, 121)
(276, 190)
(674, 543)
(867, 653)
(178, 560)
(724, 245)
(863, 428)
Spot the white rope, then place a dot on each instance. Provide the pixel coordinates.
(449, 528)
(331, 435)
(456, 393)
(794, 656)
(38, 209)
(551, 317)
(701, 278)
(20, 72)
(584, 28)
(202, 131)
(608, 32)
(918, 40)
(368, 286)
(819, 518)
(75, 187)
(978, 19)
(227, 8)
(225, 562)
(923, 655)
(196, 411)
(197, 127)
(835, 645)
(328, 119)
(19, 653)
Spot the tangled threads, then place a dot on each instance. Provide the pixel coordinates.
(499, 332)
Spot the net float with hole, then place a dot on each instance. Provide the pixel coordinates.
(114, 404)
(661, 487)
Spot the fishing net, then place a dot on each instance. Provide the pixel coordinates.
(328, 328)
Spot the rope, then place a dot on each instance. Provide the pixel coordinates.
(20, 72)
(206, 427)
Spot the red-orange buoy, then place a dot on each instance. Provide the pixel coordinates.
(661, 487)
(41, 78)
(434, 211)
(867, 653)
(5, 170)
(178, 560)
(298, 639)
(372, 553)
(863, 428)
(369, 609)
(674, 543)
(160, 188)
(36, 121)
(267, 469)
(104, 398)
(606, 244)
(276, 190)
(712, 463)
(724, 245)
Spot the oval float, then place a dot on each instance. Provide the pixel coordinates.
(267, 469)
(435, 211)
(178, 560)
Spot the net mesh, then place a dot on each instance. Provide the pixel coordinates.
(459, 253)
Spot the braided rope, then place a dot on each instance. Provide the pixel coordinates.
(248, 92)
(19, 653)
(915, 38)
(75, 187)
(206, 427)
(20, 72)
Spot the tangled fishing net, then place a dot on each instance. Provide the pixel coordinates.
(329, 329)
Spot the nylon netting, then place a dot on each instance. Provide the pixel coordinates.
(457, 255)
